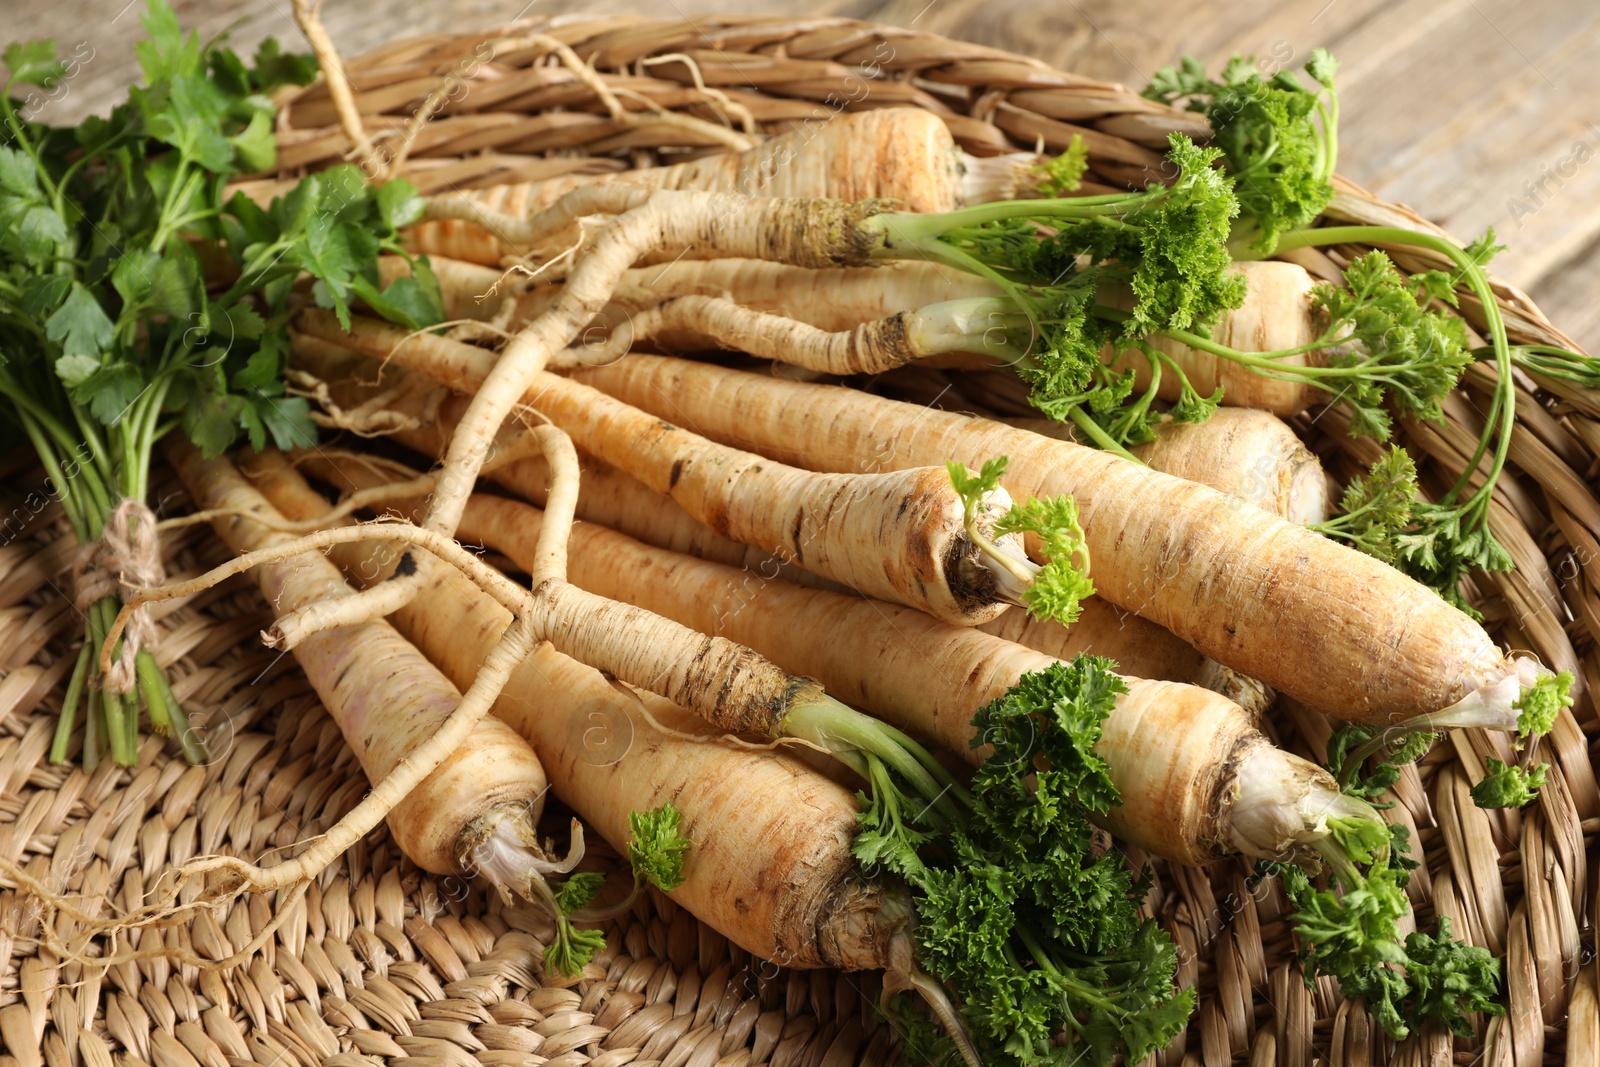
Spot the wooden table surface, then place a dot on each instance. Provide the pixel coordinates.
(1475, 112)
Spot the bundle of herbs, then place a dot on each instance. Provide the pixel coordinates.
(115, 330)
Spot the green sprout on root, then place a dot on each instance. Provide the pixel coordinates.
(1055, 590)
(656, 852)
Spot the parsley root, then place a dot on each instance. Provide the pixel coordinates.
(1056, 917)
(606, 759)
(844, 158)
(905, 536)
(613, 499)
(425, 420)
(1251, 454)
(1338, 630)
(1196, 778)
(387, 699)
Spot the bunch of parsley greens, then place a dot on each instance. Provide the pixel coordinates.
(1279, 142)
(1349, 929)
(1352, 935)
(1019, 912)
(138, 298)
(1065, 264)
(1084, 274)
(1279, 139)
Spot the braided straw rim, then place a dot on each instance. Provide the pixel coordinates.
(384, 961)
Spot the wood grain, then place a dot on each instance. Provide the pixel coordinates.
(1475, 112)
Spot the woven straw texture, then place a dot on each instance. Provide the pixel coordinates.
(383, 962)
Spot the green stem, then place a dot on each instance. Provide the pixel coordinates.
(195, 749)
(917, 228)
(1552, 362)
(247, 282)
(1344, 869)
(118, 734)
(130, 725)
(838, 728)
(1354, 761)
(148, 674)
(115, 716)
(182, 187)
(147, 435)
(1267, 363)
(69, 705)
(1088, 994)
(92, 439)
(1095, 433)
(52, 469)
(94, 724)
(931, 764)
(1022, 572)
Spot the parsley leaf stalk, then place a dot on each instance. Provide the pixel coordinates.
(1451, 536)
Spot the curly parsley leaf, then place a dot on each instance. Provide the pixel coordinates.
(656, 849)
(1377, 506)
(1276, 135)
(1191, 406)
(972, 488)
(1391, 348)
(570, 951)
(1541, 703)
(579, 891)
(1508, 785)
(1019, 913)
(1055, 714)
(1054, 591)
(1450, 980)
(1348, 739)
(1063, 174)
(1162, 253)
(1182, 280)
(1443, 545)
(1061, 586)
(1351, 934)
(1484, 248)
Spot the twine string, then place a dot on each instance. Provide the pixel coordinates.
(125, 558)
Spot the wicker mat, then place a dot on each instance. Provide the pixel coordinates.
(380, 961)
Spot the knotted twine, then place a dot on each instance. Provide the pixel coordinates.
(124, 559)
